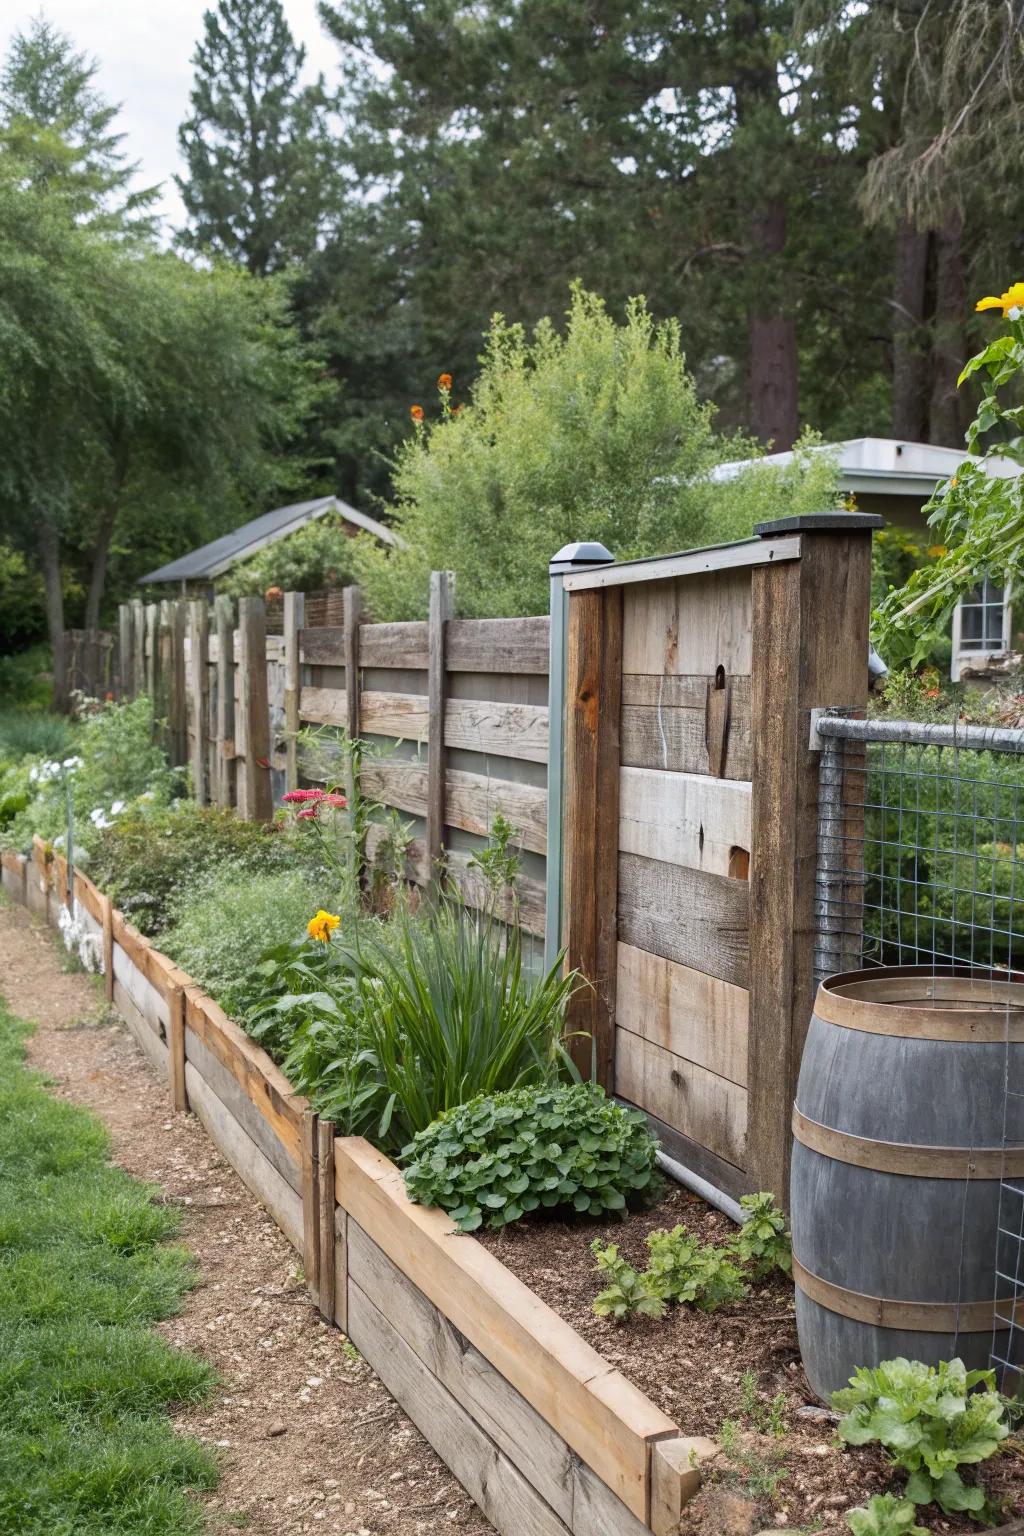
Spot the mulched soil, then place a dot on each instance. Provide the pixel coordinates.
(691, 1364)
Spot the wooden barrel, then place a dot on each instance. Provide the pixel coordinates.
(900, 1146)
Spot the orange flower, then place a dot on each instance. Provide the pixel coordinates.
(272, 593)
(416, 412)
(445, 382)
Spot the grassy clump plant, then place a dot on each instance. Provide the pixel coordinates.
(85, 1268)
(502, 1155)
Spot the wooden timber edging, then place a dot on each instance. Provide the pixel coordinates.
(546, 1436)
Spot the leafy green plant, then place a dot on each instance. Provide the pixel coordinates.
(762, 1244)
(490, 1161)
(885, 1515)
(683, 1268)
(931, 1421)
(759, 1475)
(151, 856)
(316, 556)
(498, 862)
(768, 1418)
(627, 1291)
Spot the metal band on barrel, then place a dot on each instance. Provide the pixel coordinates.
(915, 1316)
(914, 1160)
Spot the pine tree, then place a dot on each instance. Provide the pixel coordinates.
(59, 127)
(260, 181)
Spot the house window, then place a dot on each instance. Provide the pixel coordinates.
(981, 627)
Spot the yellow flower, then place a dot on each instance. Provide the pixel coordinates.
(1012, 299)
(322, 926)
(936, 551)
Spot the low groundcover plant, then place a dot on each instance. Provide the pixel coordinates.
(500, 1156)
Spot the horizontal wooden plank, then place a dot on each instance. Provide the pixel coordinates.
(605, 1419)
(473, 800)
(698, 1159)
(324, 647)
(707, 1108)
(675, 739)
(683, 628)
(264, 1083)
(402, 716)
(681, 690)
(685, 818)
(686, 915)
(150, 1005)
(495, 1484)
(688, 1013)
(323, 706)
(498, 645)
(144, 1035)
(393, 645)
(238, 1104)
(693, 562)
(504, 730)
(252, 1166)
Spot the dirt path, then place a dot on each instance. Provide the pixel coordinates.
(310, 1440)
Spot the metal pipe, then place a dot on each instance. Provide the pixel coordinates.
(707, 1191)
(980, 738)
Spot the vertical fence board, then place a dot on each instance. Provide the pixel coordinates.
(198, 638)
(294, 618)
(442, 604)
(254, 795)
(590, 835)
(224, 619)
(179, 704)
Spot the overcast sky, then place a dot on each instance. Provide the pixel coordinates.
(144, 48)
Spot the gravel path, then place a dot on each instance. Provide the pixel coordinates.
(310, 1440)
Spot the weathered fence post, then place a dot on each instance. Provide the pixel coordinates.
(225, 730)
(198, 640)
(124, 651)
(326, 1201)
(593, 683)
(809, 644)
(294, 619)
(138, 647)
(179, 698)
(572, 557)
(176, 1047)
(442, 605)
(151, 650)
(255, 801)
(310, 1204)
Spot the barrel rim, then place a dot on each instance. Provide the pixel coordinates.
(841, 1001)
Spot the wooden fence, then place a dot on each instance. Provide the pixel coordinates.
(452, 714)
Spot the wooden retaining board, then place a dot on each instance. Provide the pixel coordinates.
(697, 919)
(688, 819)
(707, 1108)
(253, 1167)
(693, 1015)
(607, 1421)
(237, 1103)
(566, 1487)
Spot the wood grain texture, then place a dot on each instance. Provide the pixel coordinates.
(691, 563)
(657, 733)
(149, 1043)
(352, 612)
(576, 1494)
(503, 730)
(499, 645)
(254, 794)
(499, 1489)
(686, 627)
(176, 1047)
(198, 638)
(264, 1083)
(605, 1419)
(810, 641)
(697, 919)
(676, 1473)
(591, 824)
(178, 692)
(685, 1011)
(341, 1231)
(310, 1205)
(473, 799)
(683, 818)
(526, 907)
(701, 1105)
(442, 607)
(225, 730)
(394, 645)
(400, 716)
(699, 1159)
(253, 1168)
(108, 948)
(150, 1005)
(237, 1102)
(294, 615)
(323, 706)
(323, 647)
(326, 1290)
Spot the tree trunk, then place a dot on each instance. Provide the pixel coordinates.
(948, 406)
(98, 573)
(49, 560)
(771, 335)
(909, 337)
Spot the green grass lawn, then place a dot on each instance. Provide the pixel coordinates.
(85, 1268)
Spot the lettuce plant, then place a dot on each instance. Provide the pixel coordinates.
(931, 1421)
(762, 1244)
(885, 1515)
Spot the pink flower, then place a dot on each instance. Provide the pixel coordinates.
(296, 796)
(309, 814)
(336, 800)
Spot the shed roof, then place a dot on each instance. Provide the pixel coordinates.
(221, 554)
(886, 465)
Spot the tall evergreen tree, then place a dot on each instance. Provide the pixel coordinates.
(260, 184)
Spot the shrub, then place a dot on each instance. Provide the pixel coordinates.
(223, 923)
(885, 1515)
(762, 1244)
(931, 1421)
(318, 555)
(148, 856)
(502, 1155)
(681, 1269)
(597, 434)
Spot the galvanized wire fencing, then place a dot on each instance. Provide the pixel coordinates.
(921, 863)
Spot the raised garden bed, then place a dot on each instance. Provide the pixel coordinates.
(546, 1435)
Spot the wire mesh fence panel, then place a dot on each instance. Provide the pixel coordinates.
(921, 864)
